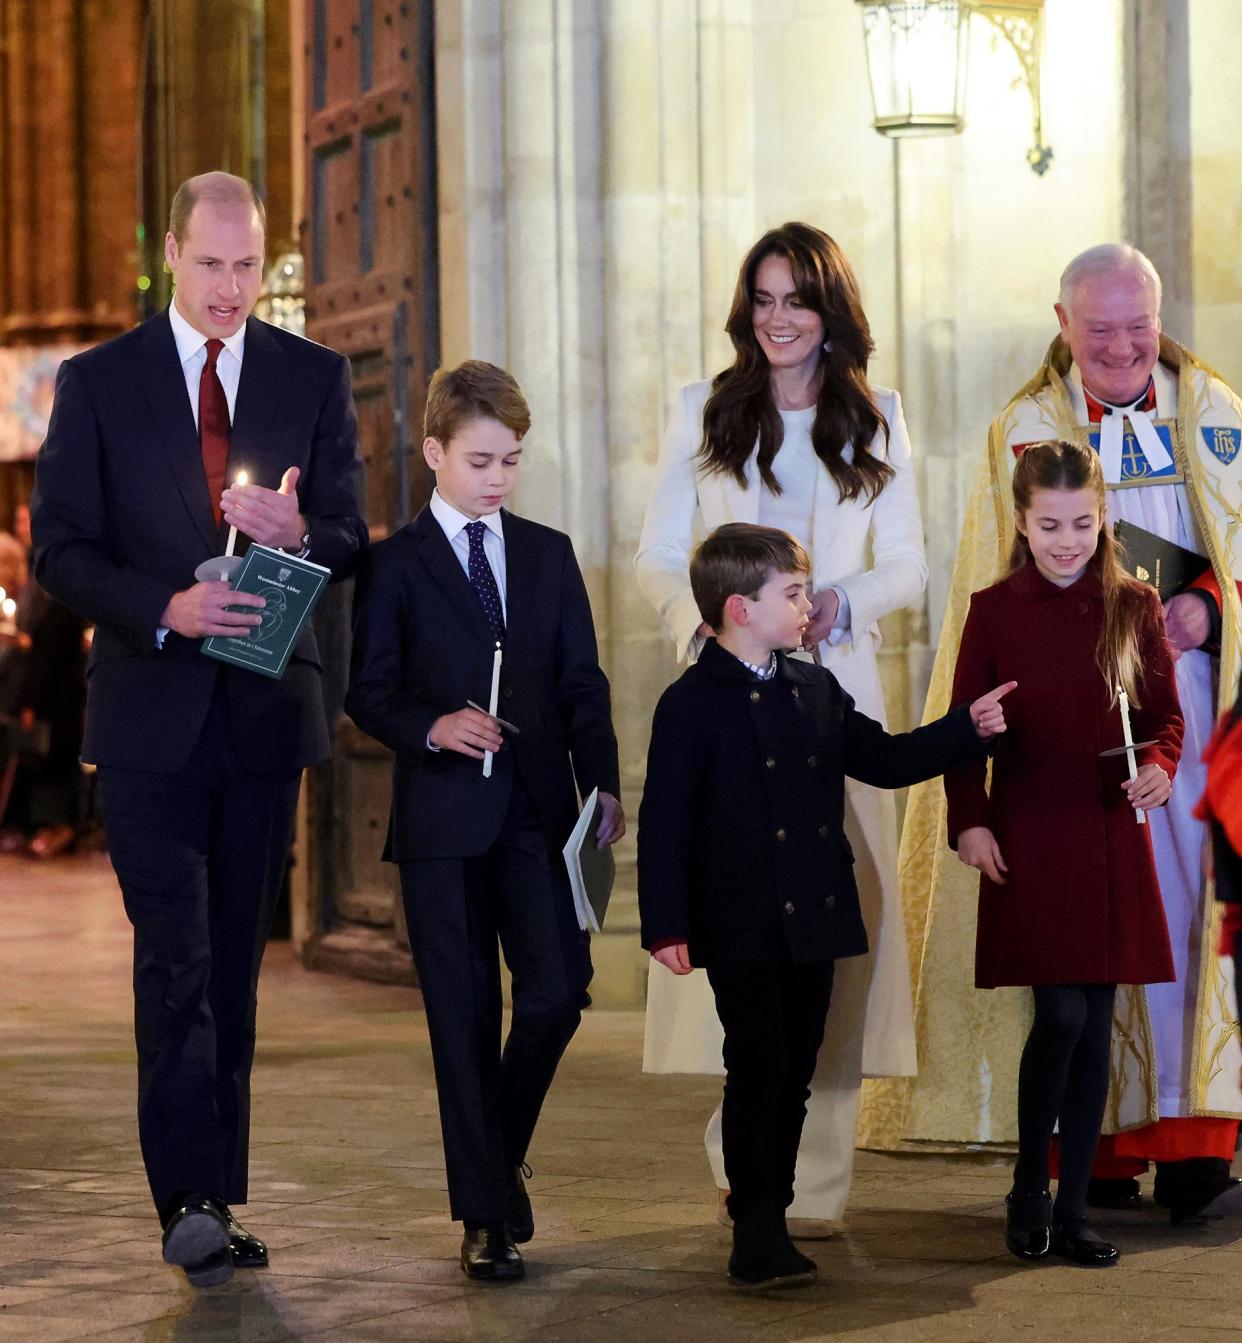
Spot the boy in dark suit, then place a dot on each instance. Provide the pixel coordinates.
(743, 864)
(479, 847)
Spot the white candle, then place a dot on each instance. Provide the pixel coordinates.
(1123, 703)
(239, 479)
(492, 705)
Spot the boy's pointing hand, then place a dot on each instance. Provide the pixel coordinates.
(986, 712)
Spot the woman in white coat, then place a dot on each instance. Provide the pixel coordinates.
(793, 436)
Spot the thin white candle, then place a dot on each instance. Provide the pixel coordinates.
(492, 705)
(1123, 703)
(239, 479)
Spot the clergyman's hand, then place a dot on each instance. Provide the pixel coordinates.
(1186, 623)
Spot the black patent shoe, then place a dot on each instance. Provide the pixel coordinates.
(246, 1250)
(196, 1238)
(1116, 1194)
(1079, 1242)
(518, 1213)
(1028, 1224)
(488, 1254)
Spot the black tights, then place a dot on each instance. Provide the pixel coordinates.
(1064, 1076)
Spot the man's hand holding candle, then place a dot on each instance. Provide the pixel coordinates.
(270, 517)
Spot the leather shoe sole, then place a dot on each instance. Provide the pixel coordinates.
(778, 1283)
(195, 1238)
(212, 1271)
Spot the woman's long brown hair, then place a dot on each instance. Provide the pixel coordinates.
(740, 410)
(1056, 465)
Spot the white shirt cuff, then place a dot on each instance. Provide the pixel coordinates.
(842, 628)
(161, 633)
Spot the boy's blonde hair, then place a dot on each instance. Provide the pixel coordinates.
(740, 557)
(474, 390)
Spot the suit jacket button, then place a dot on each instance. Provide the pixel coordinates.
(830, 902)
(780, 834)
(823, 832)
(754, 697)
(770, 762)
(508, 692)
(812, 760)
(789, 907)
(795, 693)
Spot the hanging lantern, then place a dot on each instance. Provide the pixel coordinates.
(917, 56)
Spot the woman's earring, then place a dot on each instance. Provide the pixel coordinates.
(827, 347)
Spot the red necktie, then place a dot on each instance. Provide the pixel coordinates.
(213, 427)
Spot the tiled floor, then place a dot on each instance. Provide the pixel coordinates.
(348, 1190)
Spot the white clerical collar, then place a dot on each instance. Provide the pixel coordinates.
(190, 339)
(1112, 431)
(452, 520)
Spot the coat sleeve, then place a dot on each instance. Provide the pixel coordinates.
(1159, 717)
(898, 573)
(662, 563)
(331, 494)
(974, 675)
(68, 517)
(666, 828)
(582, 689)
(896, 760)
(379, 699)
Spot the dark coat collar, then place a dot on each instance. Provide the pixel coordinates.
(720, 662)
(1031, 583)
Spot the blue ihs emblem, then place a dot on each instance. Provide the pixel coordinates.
(1223, 443)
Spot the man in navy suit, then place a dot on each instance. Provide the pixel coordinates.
(479, 850)
(199, 763)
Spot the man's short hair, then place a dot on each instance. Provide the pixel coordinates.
(217, 189)
(474, 390)
(740, 557)
(1107, 258)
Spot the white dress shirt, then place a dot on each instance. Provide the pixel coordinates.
(453, 524)
(192, 351)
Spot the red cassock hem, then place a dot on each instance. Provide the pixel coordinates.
(1123, 1155)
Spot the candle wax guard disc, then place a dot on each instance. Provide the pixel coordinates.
(220, 569)
(1121, 750)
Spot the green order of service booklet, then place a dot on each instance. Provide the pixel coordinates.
(290, 587)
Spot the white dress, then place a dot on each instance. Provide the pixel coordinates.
(870, 1028)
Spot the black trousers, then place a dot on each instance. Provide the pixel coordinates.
(457, 910)
(199, 855)
(773, 1018)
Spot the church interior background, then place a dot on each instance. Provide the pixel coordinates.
(566, 187)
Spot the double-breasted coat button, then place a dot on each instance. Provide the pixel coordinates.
(770, 762)
(823, 832)
(508, 692)
(830, 902)
(754, 697)
(780, 834)
(789, 906)
(1082, 608)
(812, 761)
(795, 693)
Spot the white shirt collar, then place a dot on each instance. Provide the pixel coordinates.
(190, 340)
(452, 520)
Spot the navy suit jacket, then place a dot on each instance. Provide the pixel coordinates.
(422, 648)
(121, 517)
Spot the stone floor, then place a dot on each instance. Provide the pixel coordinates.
(348, 1189)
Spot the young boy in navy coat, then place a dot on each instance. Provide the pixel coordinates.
(478, 847)
(743, 864)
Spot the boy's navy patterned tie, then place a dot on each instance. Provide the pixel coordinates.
(484, 581)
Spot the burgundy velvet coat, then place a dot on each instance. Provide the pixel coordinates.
(1081, 903)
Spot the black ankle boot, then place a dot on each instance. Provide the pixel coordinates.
(763, 1255)
(1028, 1224)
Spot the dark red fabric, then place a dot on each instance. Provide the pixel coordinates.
(214, 427)
(1081, 903)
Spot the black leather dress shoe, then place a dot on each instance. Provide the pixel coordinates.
(246, 1251)
(1080, 1243)
(196, 1238)
(1208, 1203)
(1028, 1224)
(518, 1214)
(488, 1254)
(1116, 1194)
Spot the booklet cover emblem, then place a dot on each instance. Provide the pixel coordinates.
(290, 587)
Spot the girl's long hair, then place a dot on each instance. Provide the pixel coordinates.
(740, 409)
(1056, 465)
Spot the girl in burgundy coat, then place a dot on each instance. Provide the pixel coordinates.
(1068, 898)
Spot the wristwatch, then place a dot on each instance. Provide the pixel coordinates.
(303, 546)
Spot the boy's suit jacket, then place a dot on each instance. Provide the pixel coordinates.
(422, 648)
(121, 518)
(741, 841)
